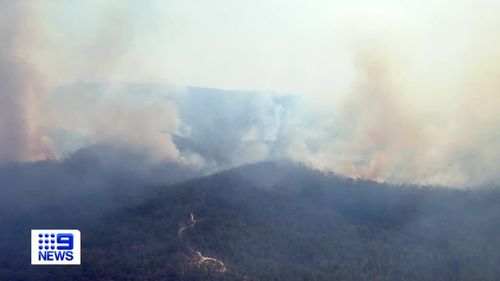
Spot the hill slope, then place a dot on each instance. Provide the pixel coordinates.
(280, 221)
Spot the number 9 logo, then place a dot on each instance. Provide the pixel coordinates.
(65, 241)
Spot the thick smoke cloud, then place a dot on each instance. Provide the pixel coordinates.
(21, 87)
(207, 128)
(414, 96)
(86, 115)
(380, 131)
(376, 133)
(380, 128)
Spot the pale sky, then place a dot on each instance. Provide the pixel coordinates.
(296, 46)
(401, 86)
(306, 47)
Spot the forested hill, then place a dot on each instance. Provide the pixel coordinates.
(281, 221)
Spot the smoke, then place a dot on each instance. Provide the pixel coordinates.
(382, 130)
(382, 127)
(422, 103)
(390, 91)
(21, 87)
(29, 112)
(82, 116)
(203, 127)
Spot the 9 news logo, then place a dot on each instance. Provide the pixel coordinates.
(55, 246)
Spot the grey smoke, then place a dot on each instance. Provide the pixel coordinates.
(212, 128)
(372, 132)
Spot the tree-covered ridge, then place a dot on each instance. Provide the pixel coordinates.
(281, 221)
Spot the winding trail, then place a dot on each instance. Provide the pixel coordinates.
(191, 223)
(200, 259)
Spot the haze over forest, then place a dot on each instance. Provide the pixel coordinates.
(252, 140)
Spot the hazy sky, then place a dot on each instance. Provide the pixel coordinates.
(297, 46)
(403, 90)
(306, 47)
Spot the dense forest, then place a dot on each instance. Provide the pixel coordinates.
(268, 221)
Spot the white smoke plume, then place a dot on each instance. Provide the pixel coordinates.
(21, 86)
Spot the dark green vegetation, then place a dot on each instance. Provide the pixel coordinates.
(272, 221)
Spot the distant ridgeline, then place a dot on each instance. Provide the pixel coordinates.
(220, 126)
